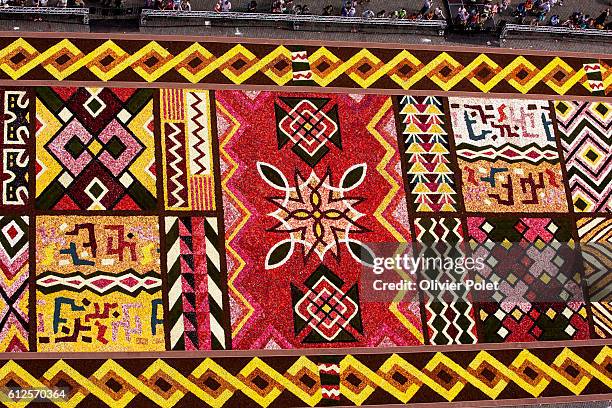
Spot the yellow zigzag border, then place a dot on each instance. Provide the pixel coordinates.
(183, 383)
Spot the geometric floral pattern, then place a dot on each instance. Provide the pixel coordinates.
(301, 219)
(585, 129)
(507, 155)
(326, 312)
(595, 236)
(113, 302)
(508, 375)
(14, 154)
(540, 295)
(309, 124)
(94, 149)
(375, 67)
(450, 313)
(315, 213)
(193, 220)
(14, 273)
(432, 182)
(187, 150)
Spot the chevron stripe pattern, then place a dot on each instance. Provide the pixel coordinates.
(426, 145)
(585, 129)
(215, 297)
(179, 253)
(596, 244)
(14, 273)
(195, 298)
(450, 313)
(187, 150)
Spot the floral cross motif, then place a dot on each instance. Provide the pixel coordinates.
(315, 213)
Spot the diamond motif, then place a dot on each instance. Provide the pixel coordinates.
(325, 311)
(309, 124)
(101, 158)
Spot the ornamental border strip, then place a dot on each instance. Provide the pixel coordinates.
(172, 61)
(495, 376)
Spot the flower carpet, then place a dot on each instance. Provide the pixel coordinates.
(206, 246)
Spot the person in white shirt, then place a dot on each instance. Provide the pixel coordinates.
(368, 14)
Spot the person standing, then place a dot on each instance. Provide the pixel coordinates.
(426, 7)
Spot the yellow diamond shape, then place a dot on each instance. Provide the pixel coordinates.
(568, 109)
(256, 64)
(189, 52)
(406, 83)
(206, 365)
(19, 43)
(556, 63)
(592, 155)
(579, 197)
(602, 110)
(279, 80)
(374, 60)
(539, 244)
(520, 60)
(435, 63)
(506, 244)
(314, 58)
(72, 49)
(118, 51)
(258, 364)
(152, 46)
(391, 363)
(484, 87)
(94, 147)
(303, 362)
(551, 313)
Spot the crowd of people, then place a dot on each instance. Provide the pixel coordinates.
(540, 12)
(479, 15)
(348, 9)
(42, 3)
(476, 17)
(177, 5)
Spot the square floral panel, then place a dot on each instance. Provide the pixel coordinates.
(585, 129)
(540, 294)
(300, 209)
(95, 149)
(507, 155)
(98, 284)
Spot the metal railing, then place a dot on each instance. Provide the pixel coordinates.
(84, 12)
(115, 12)
(549, 30)
(295, 19)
